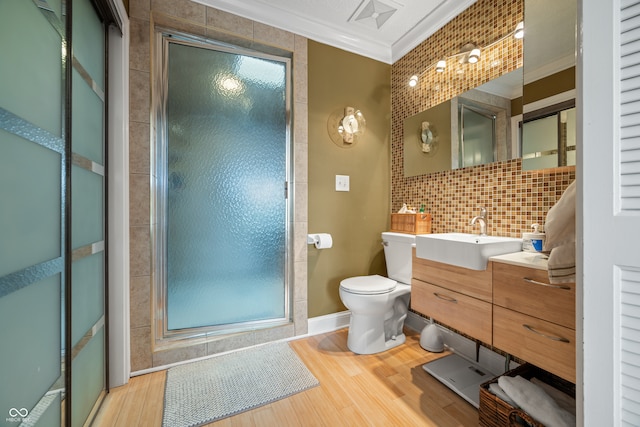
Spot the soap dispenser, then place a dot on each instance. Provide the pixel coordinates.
(533, 242)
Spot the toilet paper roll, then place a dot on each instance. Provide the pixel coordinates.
(324, 241)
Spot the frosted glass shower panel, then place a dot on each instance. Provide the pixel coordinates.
(477, 134)
(225, 178)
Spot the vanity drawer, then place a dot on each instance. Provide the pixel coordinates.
(469, 315)
(544, 344)
(475, 283)
(528, 291)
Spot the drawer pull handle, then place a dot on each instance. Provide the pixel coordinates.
(561, 339)
(535, 282)
(446, 298)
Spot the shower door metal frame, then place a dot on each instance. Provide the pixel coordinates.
(488, 114)
(163, 336)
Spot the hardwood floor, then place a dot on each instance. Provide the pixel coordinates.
(385, 389)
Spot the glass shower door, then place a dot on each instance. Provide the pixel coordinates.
(225, 203)
(477, 136)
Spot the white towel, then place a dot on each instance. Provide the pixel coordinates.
(562, 264)
(533, 400)
(498, 391)
(563, 400)
(560, 229)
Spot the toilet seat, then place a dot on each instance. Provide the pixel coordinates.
(368, 285)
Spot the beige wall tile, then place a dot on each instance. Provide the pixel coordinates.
(139, 9)
(301, 163)
(300, 281)
(139, 45)
(274, 36)
(139, 96)
(140, 301)
(140, 243)
(165, 357)
(300, 318)
(300, 241)
(139, 199)
(191, 11)
(300, 72)
(139, 145)
(301, 201)
(275, 333)
(231, 342)
(301, 49)
(231, 23)
(140, 349)
(301, 123)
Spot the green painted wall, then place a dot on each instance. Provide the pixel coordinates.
(356, 218)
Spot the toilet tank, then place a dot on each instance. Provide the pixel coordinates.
(397, 253)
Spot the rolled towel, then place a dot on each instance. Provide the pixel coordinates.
(533, 400)
(563, 400)
(498, 391)
(560, 224)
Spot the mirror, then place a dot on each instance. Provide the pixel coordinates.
(547, 86)
(482, 122)
(548, 129)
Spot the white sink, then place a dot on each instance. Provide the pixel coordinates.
(464, 250)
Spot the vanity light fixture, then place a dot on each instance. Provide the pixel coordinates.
(519, 31)
(346, 126)
(474, 56)
(469, 53)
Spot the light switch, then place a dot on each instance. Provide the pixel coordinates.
(342, 182)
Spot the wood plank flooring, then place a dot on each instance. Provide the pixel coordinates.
(385, 389)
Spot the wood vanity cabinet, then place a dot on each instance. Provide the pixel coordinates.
(458, 297)
(512, 307)
(534, 320)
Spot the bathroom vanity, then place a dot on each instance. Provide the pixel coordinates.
(510, 306)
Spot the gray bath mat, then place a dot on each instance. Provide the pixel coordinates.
(202, 392)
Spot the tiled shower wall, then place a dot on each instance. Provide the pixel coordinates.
(197, 19)
(514, 198)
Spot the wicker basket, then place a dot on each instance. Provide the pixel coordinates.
(419, 223)
(495, 412)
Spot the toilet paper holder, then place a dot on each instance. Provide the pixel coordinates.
(321, 240)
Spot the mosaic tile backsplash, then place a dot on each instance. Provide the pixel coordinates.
(514, 198)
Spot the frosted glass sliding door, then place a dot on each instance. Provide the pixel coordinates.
(224, 168)
(87, 338)
(52, 211)
(32, 217)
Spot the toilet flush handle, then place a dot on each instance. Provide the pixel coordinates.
(385, 243)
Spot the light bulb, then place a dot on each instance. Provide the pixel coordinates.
(441, 65)
(519, 31)
(413, 81)
(474, 56)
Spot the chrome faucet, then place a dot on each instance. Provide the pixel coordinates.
(482, 218)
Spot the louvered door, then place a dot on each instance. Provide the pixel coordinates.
(609, 206)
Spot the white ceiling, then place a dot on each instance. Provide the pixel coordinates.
(384, 30)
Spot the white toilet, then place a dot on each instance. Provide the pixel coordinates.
(378, 304)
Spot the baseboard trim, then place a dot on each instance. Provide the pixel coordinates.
(328, 323)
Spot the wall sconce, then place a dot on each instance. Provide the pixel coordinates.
(346, 126)
(428, 138)
(469, 53)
